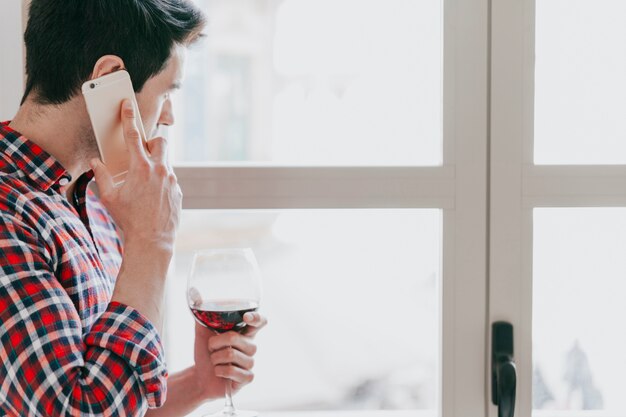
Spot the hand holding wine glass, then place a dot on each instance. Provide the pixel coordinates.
(223, 288)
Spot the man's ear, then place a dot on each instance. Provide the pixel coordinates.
(106, 65)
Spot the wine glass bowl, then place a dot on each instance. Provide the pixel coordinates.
(223, 285)
(223, 316)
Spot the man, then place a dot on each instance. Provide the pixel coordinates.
(80, 318)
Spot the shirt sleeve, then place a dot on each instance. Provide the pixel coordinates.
(48, 366)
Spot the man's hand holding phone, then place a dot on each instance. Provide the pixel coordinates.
(146, 207)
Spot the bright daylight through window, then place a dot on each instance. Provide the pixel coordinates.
(322, 82)
(355, 318)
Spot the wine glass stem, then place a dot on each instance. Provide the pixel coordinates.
(229, 409)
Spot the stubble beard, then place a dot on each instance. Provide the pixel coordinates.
(86, 145)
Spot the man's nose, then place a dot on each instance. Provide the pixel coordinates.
(167, 116)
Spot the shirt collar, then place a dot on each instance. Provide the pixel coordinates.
(43, 169)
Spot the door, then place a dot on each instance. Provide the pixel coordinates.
(557, 201)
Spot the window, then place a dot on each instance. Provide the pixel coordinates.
(557, 200)
(315, 82)
(342, 288)
(578, 258)
(365, 121)
(579, 83)
(325, 135)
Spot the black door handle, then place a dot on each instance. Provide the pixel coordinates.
(503, 373)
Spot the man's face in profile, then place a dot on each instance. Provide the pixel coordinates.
(154, 100)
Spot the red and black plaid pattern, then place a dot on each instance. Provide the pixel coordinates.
(65, 349)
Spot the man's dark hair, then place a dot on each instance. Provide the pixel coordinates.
(65, 38)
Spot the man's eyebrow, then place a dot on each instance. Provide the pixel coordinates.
(175, 86)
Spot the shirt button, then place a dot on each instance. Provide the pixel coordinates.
(63, 181)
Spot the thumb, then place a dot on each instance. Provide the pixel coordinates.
(102, 176)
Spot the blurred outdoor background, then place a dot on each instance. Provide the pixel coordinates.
(353, 295)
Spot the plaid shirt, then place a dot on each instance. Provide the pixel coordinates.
(65, 349)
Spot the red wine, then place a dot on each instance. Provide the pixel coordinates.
(223, 316)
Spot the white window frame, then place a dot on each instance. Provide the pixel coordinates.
(459, 188)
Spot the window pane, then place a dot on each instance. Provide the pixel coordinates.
(353, 302)
(579, 82)
(578, 310)
(314, 82)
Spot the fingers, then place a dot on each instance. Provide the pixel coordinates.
(158, 149)
(102, 176)
(232, 357)
(131, 132)
(235, 340)
(235, 374)
(255, 322)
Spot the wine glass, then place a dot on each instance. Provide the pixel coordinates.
(223, 285)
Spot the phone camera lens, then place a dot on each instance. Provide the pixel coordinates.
(92, 85)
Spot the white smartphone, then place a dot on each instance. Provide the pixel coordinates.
(104, 97)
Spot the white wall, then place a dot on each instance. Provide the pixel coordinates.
(11, 68)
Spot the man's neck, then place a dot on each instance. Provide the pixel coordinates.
(63, 131)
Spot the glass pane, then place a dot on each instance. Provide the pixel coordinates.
(314, 82)
(579, 310)
(353, 302)
(579, 82)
